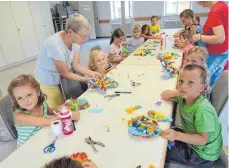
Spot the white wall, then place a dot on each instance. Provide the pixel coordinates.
(148, 8)
(140, 9)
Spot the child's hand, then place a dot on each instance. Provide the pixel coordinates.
(123, 43)
(113, 67)
(53, 118)
(89, 165)
(195, 37)
(95, 75)
(176, 35)
(169, 134)
(121, 58)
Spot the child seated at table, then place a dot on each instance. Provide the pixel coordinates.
(136, 40)
(197, 55)
(31, 110)
(115, 50)
(67, 162)
(185, 41)
(188, 20)
(154, 27)
(146, 33)
(98, 61)
(200, 143)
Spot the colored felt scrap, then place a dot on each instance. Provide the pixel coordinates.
(133, 109)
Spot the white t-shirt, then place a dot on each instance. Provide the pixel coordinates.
(54, 49)
(115, 50)
(133, 43)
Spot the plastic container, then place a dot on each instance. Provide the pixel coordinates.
(66, 119)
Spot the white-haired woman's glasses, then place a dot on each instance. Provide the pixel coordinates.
(83, 37)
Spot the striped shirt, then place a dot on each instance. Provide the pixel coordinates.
(26, 132)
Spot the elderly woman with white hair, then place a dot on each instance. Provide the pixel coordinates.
(60, 54)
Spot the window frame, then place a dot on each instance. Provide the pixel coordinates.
(177, 8)
(112, 10)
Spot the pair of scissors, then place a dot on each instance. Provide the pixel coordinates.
(50, 148)
(92, 143)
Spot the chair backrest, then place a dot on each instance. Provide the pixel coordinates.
(70, 11)
(7, 127)
(72, 88)
(95, 48)
(219, 94)
(61, 10)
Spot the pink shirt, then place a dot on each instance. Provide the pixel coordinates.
(186, 48)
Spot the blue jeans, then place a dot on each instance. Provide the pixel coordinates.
(216, 63)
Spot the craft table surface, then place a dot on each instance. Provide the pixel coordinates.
(151, 59)
(122, 150)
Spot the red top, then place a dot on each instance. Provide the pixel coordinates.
(218, 15)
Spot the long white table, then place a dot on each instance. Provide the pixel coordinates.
(151, 59)
(122, 150)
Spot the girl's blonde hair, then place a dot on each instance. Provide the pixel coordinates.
(23, 80)
(188, 13)
(91, 63)
(198, 52)
(137, 27)
(186, 34)
(77, 22)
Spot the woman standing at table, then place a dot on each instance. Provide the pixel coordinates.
(215, 35)
(60, 54)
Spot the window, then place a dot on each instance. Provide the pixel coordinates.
(116, 9)
(176, 7)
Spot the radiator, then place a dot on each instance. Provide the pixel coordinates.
(169, 24)
(119, 25)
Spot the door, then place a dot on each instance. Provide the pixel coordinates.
(86, 9)
(2, 59)
(47, 18)
(42, 20)
(9, 39)
(35, 10)
(25, 26)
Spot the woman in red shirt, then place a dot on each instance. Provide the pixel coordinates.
(215, 35)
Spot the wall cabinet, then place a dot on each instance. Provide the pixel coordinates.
(24, 28)
(42, 20)
(9, 38)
